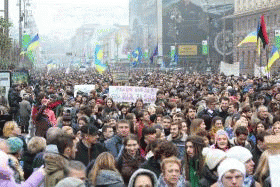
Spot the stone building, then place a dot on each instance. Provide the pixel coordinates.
(246, 17)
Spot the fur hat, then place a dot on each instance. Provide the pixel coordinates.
(213, 157)
(229, 164)
(15, 144)
(242, 154)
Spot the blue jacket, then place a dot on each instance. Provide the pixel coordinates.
(114, 145)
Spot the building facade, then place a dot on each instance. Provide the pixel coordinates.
(246, 17)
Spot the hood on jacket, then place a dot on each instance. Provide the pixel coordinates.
(180, 183)
(142, 172)
(54, 162)
(109, 178)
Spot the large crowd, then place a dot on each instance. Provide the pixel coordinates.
(202, 131)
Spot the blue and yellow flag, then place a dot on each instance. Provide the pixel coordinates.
(34, 43)
(274, 55)
(250, 38)
(136, 56)
(100, 67)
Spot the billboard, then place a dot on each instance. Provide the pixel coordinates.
(187, 50)
(184, 23)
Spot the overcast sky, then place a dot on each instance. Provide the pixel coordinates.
(63, 17)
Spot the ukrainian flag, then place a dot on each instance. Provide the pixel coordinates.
(273, 57)
(136, 56)
(250, 38)
(33, 43)
(100, 67)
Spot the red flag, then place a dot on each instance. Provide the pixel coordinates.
(261, 32)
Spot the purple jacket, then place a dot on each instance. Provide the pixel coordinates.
(7, 178)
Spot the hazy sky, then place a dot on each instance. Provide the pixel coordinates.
(63, 17)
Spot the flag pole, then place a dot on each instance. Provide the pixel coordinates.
(260, 61)
(267, 59)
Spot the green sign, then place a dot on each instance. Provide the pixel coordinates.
(277, 39)
(205, 47)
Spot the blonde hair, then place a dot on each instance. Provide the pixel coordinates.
(67, 130)
(172, 159)
(273, 126)
(9, 128)
(105, 161)
(195, 126)
(36, 144)
(262, 170)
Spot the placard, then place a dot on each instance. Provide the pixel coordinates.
(5, 83)
(132, 93)
(83, 88)
(187, 50)
(274, 162)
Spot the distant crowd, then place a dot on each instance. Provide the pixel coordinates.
(202, 131)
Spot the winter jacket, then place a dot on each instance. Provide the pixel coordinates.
(153, 165)
(85, 154)
(17, 169)
(127, 164)
(180, 183)
(7, 179)
(268, 122)
(207, 116)
(208, 177)
(41, 120)
(142, 172)
(55, 166)
(247, 144)
(180, 143)
(114, 145)
(27, 163)
(108, 178)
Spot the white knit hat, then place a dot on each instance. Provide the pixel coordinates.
(240, 153)
(229, 164)
(213, 157)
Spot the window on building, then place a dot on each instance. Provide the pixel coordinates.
(249, 60)
(267, 20)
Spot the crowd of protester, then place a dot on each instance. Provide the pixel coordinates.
(202, 131)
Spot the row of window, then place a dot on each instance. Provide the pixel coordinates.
(251, 23)
(250, 58)
(247, 5)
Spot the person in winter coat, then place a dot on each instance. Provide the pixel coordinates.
(130, 159)
(39, 117)
(7, 178)
(115, 144)
(178, 138)
(171, 173)
(89, 147)
(244, 156)
(24, 113)
(35, 145)
(164, 149)
(213, 157)
(143, 177)
(228, 169)
(57, 164)
(104, 172)
(194, 161)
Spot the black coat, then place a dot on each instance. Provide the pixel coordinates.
(153, 165)
(208, 177)
(127, 164)
(85, 154)
(207, 117)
